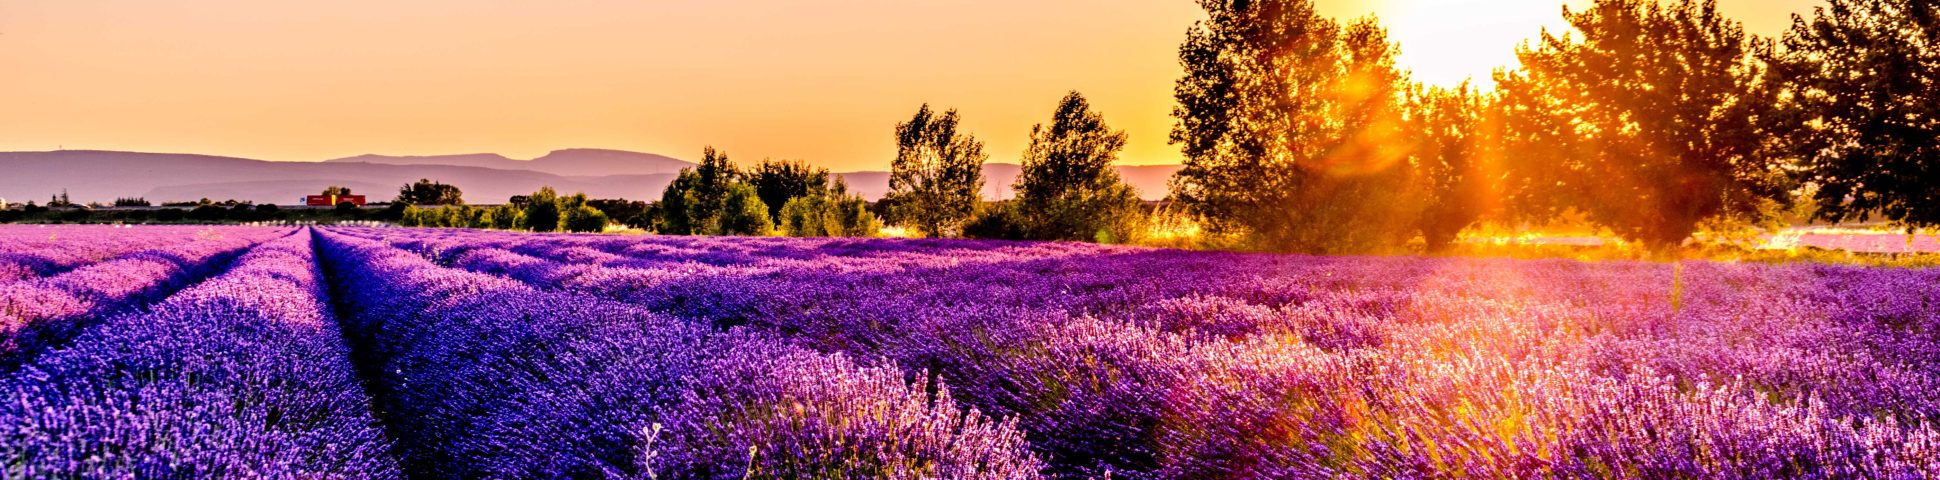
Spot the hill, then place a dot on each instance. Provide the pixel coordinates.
(573, 162)
(102, 176)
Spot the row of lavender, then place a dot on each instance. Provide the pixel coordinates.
(105, 272)
(483, 377)
(241, 376)
(249, 375)
(627, 357)
(40, 251)
(1173, 364)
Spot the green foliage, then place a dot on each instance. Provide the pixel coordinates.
(742, 213)
(506, 217)
(830, 213)
(1864, 109)
(1451, 153)
(393, 212)
(208, 213)
(1068, 188)
(998, 221)
(627, 212)
(427, 192)
(1657, 112)
(693, 203)
(542, 212)
(502, 217)
(776, 182)
(336, 190)
(937, 174)
(412, 216)
(585, 219)
(1292, 129)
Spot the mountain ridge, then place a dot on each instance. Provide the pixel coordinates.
(104, 175)
(570, 162)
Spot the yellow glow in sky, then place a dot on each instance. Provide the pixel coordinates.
(824, 81)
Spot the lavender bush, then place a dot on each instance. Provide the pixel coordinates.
(242, 376)
(491, 378)
(39, 313)
(1174, 364)
(508, 355)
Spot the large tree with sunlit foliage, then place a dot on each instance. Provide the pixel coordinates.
(1655, 118)
(1292, 128)
(1456, 157)
(937, 177)
(1864, 78)
(1068, 187)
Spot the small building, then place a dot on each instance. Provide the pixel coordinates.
(333, 200)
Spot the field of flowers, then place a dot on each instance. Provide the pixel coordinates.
(384, 353)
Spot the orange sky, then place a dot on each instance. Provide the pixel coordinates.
(823, 81)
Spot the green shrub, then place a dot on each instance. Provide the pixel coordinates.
(743, 213)
(585, 219)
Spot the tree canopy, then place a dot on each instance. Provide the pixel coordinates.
(1292, 128)
(777, 181)
(1660, 108)
(693, 202)
(427, 192)
(937, 176)
(1068, 188)
(1863, 78)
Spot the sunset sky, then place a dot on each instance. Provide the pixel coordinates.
(824, 81)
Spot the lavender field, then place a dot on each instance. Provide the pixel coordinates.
(241, 352)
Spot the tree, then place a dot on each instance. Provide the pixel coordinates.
(542, 213)
(1664, 102)
(742, 213)
(1452, 157)
(997, 221)
(777, 182)
(1068, 188)
(1291, 128)
(937, 174)
(336, 190)
(631, 213)
(507, 217)
(427, 192)
(585, 219)
(1864, 110)
(693, 202)
(833, 212)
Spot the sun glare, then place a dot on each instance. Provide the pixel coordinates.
(1445, 42)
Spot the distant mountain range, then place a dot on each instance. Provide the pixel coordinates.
(576, 162)
(102, 176)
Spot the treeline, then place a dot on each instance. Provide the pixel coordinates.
(791, 198)
(204, 211)
(1653, 120)
(542, 211)
(1068, 189)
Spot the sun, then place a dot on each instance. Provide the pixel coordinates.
(1445, 42)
